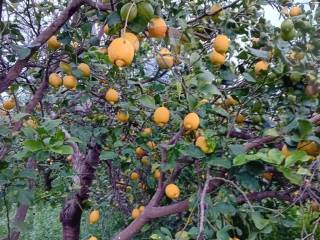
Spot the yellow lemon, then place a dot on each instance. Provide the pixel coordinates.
(53, 43)
(112, 96)
(164, 59)
(157, 28)
(221, 43)
(84, 69)
(172, 191)
(133, 40)
(94, 217)
(70, 82)
(121, 52)
(55, 80)
(161, 116)
(191, 121)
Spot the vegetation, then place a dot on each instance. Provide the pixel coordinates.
(159, 120)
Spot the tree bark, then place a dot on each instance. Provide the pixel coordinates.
(85, 167)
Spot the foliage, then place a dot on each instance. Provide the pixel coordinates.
(258, 106)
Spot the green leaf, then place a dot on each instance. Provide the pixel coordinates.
(51, 124)
(304, 171)
(240, 160)
(275, 156)
(249, 78)
(28, 173)
(107, 155)
(305, 128)
(259, 221)
(209, 89)
(64, 149)
(224, 208)
(271, 132)
(22, 52)
(191, 151)
(259, 53)
(33, 145)
(220, 111)
(296, 156)
(291, 176)
(113, 18)
(219, 162)
(236, 149)
(147, 101)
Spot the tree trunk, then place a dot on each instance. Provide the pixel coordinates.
(85, 167)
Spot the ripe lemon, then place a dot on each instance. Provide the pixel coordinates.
(112, 96)
(84, 69)
(261, 66)
(133, 40)
(221, 43)
(66, 68)
(9, 104)
(106, 29)
(216, 12)
(191, 121)
(240, 118)
(310, 147)
(135, 213)
(164, 59)
(53, 43)
(285, 151)
(295, 11)
(141, 209)
(134, 176)
(93, 238)
(157, 28)
(70, 82)
(146, 132)
(121, 52)
(151, 144)
(157, 174)
(140, 152)
(217, 58)
(122, 116)
(172, 191)
(94, 217)
(161, 116)
(130, 11)
(201, 143)
(55, 80)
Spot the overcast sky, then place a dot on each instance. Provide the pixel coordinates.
(273, 15)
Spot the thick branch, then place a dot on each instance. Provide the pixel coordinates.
(16, 69)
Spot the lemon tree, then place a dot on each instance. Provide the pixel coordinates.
(160, 119)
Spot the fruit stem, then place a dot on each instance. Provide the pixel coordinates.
(126, 22)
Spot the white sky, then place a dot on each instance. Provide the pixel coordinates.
(273, 15)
